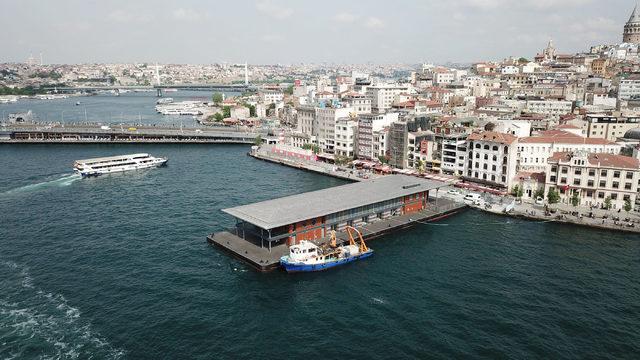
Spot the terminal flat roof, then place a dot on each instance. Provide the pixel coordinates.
(292, 209)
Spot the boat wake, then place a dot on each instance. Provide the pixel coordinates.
(32, 318)
(65, 180)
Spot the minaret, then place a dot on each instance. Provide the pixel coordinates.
(632, 28)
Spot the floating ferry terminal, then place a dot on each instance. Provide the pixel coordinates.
(264, 231)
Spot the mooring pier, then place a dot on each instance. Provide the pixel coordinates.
(265, 230)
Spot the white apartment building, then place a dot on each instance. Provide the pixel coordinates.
(306, 115)
(594, 177)
(443, 77)
(346, 130)
(360, 103)
(382, 95)
(534, 151)
(550, 107)
(629, 88)
(509, 70)
(491, 159)
(326, 119)
(454, 153)
(271, 96)
(372, 139)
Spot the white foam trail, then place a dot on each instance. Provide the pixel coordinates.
(65, 180)
(49, 317)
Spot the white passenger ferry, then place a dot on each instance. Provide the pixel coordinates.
(112, 164)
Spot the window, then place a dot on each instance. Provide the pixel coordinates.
(486, 156)
(615, 185)
(629, 175)
(552, 178)
(576, 182)
(590, 193)
(484, 166)
(603, 173)
(614, 196)
(616, 174)
(563, 180)
(495, 148)
(493, 168)
(477, 146)
(554, 168)
(600, 195)
(486, 147)
(626, 198)
(564, 170)
(578, 171)
(590, 183)
(603, 183)
(477, 155)
(592, 172)
(627, 186)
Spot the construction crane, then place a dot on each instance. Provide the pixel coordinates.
(352, 241)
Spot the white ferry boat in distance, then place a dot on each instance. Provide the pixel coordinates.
(112, 164)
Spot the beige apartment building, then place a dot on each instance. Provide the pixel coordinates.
(594, 177)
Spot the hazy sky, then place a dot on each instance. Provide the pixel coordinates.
(288, 31)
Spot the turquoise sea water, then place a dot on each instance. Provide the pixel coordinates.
(118, 267)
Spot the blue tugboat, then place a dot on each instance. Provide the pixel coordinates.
(307, 256)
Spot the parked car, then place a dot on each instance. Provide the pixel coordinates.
(453, 192)
(472, 199)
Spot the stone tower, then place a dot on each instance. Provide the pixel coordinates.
(632, 28)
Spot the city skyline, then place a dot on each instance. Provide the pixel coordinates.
(271, 31)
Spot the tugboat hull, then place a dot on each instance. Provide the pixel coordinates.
(302, 267)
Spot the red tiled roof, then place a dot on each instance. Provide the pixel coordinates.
(566, 126)
(492, 136)
(562, 137)
(601, 159)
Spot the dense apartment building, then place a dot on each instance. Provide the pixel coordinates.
(345, 137)
(360, 103)
(491, 159)
(453, 153)
(550, 107)
(373, 134)
(629, 87)
(593, 177)
(326, 119)
(534, 151)
(609, 127)
(382, 96)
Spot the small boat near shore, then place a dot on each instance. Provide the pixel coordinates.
(307, 256)
(113, 164)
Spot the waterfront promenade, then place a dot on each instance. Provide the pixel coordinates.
(560, 213)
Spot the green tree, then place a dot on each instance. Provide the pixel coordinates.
(218, 116)
(539, 193)
(313, 147)
(553, 197)
(226, 112)
(252, 110)
(517, 191)
(627, 205)
(217, 98)
(258, 140)
(383, 159)
(575, 199)
(421, 166)
(523, 60)
(607, 203)
(289, 90)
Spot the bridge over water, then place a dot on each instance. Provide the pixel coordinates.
(91, 134)
(158, 88)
